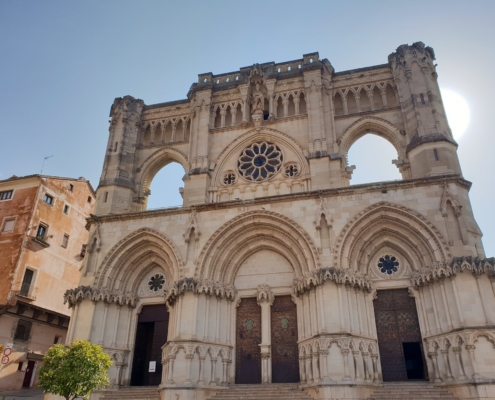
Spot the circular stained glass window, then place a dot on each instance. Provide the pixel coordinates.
(156, 282)
(388, 264)
(260, 161)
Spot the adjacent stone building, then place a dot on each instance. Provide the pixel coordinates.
(276, 269)
(42, 236)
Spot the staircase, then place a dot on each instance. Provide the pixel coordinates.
(282, 391)
(411, 391)
(132, 393)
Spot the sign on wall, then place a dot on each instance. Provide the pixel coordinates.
(152, 366)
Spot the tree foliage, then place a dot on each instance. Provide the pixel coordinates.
(74, 371)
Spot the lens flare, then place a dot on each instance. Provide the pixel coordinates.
(458, 113)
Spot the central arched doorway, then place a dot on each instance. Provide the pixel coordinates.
(151, 335)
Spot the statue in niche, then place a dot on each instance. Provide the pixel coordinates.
(258, 100)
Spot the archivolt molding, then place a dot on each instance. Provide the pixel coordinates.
(133, 250)
(205, 286)
(396, 216)
(339, 276)
(375, 125)
(266, 134)
(78, 294)
(477, 266)
(261, 226)
(155, 162)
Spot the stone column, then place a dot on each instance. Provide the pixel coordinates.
(324, 365)
(383, 92)
(201, 381)
(285, 103)
(364, 356)
(233, 112)
(189, 358)
(296, 104)
(357, 97)
(115, 328)
(357, 374)
(302, 369)
(222, 117)
(316, 368)
(102, 332)
(309, 370)
(445, 355)
(170, 379)
(434, 359)
(345, 354)
(471, 348)
(457, 352)
(265, 299)
(212, 371)
(224, 371)
(369, 93)
(374, 362)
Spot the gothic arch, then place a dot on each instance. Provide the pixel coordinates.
(268, 134)
(375, 125)
(154, 163)
(408, 229)
(223, 254)
(129, 260)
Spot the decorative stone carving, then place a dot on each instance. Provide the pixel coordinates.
(74, 296)
(264, 293)
(218, 289)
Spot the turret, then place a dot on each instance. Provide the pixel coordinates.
(431, 147)
(116, 189)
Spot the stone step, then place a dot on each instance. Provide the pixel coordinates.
(281, 391)
(134, 393)
(411, 391)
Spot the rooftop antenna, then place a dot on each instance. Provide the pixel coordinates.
(43, 165)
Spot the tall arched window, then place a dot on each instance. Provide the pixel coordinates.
(165, 187)
(372, 156)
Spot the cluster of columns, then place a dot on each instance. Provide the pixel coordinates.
(369, 94)
(433, 355)
(313, 367)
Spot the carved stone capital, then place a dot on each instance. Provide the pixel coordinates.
(264, 294)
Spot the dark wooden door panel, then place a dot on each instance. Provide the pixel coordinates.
(285, 355)
(248, 339)
(396, 323)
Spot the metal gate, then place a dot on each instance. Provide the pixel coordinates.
(285, 364)
(248, 339)
(396, 324)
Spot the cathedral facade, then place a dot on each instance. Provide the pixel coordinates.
(276, 269)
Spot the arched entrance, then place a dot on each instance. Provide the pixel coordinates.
(151, 335)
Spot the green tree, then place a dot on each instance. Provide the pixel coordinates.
(74, 371)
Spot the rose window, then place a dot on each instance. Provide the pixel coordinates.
(156, 282)
(260, 161)
(388, 265)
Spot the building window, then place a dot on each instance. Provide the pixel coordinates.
(65, 241)
(71, 186)
(422, 98)
(89, 199)
(8, 225)
(23, 330)
(27, 283)
(435, 154)
(6, 195)
(105, 198)
(41, 232)
(48, 199)
(66, 209)
(19, 366)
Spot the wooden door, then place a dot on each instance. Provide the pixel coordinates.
(285, 354)
(396, 324)
(248, 339)
(29, 374)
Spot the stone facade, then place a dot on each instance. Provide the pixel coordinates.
(268, 212)
(42, 234)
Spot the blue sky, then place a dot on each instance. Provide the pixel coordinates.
(62, 63)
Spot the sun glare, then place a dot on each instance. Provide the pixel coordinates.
(457, 109)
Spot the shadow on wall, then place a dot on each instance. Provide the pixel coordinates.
(165, 187)
(372, 156)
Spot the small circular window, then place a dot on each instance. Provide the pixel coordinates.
(291, 170)
(229, 178)
(388, 265)
(260, 161)
(156, 282)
